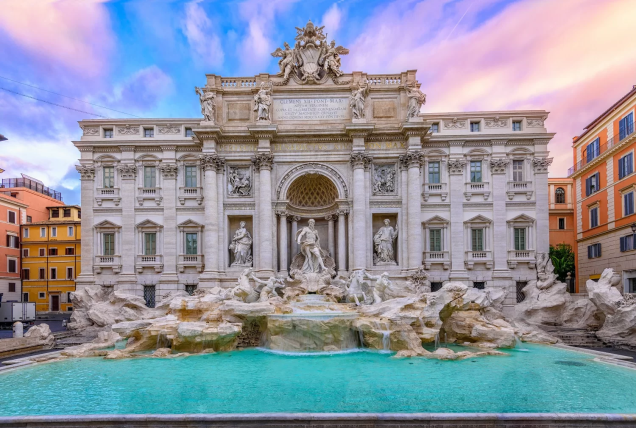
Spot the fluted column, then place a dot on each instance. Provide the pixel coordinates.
(342, 245)
(540, 166)
(211, 229)
(294, 231)
(457, 247)
(263, 162)
(282, 242)
(87, 176)
(220, 170)
(169, 278)
(332, 234)
(498, 169)
(414, 209)
(359, 161)
(127, 281)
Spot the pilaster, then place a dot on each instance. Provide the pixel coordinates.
(210, 275)
(169, 280)
(413, 161)
(457, 248)
(263, 164)
(359, 161)
(127, 280)
(540, 166)
(87, 177)
(498, 168)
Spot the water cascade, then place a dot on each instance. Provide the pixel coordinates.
(519, 345)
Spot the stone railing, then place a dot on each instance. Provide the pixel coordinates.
(107, 194)
(473, 257)
(190, 260)
(384, 80)
(435, 189)
(246, 82)
(113, 262)
(480, 188)
(521, 256)
(144, 193)
(519, 187)
(190, 193)
(153, 261)
(441, 257)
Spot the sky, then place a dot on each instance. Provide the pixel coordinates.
(573, 58)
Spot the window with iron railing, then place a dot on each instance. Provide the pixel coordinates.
(625, 165)
(626, 126)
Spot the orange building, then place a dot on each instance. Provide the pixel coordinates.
(605, 189)
(561, 199)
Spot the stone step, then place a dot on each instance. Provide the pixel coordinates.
(579, 338)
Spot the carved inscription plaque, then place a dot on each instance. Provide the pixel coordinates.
(384, 109)
(311, 109)
(238, 111)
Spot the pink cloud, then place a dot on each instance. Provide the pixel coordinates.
(570, 57)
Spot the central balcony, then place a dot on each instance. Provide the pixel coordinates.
(112, 262)
(521, 256)
(435, 189)
(473, 257)
(190, 193)
(439, 257)
(149, 193)
(482, 188)
(519, 187)
(190, 260)
(107, 194)
(149, 261)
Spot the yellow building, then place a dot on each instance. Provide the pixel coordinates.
(51, 258)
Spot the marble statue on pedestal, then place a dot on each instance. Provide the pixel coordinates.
(383, 242)
(309, 242)
(241, 246)
(262, 102)
(357, 100)
(208, 108)
(416, 99)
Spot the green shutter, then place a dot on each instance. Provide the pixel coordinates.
(190, 176)
(191, 243)
(150, 248)
(435, 239)
(520, 239)
(150, 177)
(477, 236)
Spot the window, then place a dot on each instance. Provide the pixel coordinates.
(191, 243)
(43, 232)
(25, 232)
(479, 285)
(593, 150)
(150, 176)
(474, 126)
(108, 133)
(628, 203)
(69, 251)
(12, 266)
(436, 286)
(25, 252)
(435, 239)
(625, 165)
(26, 274)
(188, 132)
(477, 239)
(561, 223)
(559, 195)
(475, 171)
(25, 297)
(149, 295)
(150, 244)
(70, 231)
(516, 125)
(109, 244)
(520, 238)
(54, 232)
(149, 132)
(190, 176)
(55, 213)
(42, 252)
(594, 251)
(190, 289)
(626, 126)
(520, 294)
(29, 219)
(11, 217)
(67, 212)
(13, 241)
(42, 273)
(42, 295)
(52, 251)
(628, 243)
(592, 184)
(631, 285)
(435, 127)
(594, 217)
(69, 273)
(517, 170)
(109, 177)
(53, 273)
(433, 172)
(12, 287)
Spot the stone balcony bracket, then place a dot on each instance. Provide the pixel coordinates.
(519, 187)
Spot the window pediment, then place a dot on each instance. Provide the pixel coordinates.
(107, 224)
(190, 224)
(149, 225)
(521, 219)
(436, 220)
(478, 220)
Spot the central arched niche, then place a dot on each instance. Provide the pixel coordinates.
(312, 191)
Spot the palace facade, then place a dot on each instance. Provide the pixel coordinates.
(173, 204)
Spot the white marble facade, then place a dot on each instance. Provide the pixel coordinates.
(162, 198)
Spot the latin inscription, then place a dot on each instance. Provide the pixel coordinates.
(311, 109)
(312, 147)
(384, 109)
(238, 111)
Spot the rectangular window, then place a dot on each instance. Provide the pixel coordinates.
(26, 274)
(150, 176)
(435, 240)
(42, 252)
(43, 232)
(29, 219)
(12, 287)
(67, 212)
(594, 217)
(108, 133)
(436, 286)
(626, 126)
(12, 266)
(625, 165)
(109, 177)
(149, 132)
(109, 244)
(52, 251)
(70, 231)
(191, 243)
(516, 125)
(561, 223)
(433, 172)
(25, 232)
(474, 126)
(53, 273)
(42, 273)
(435, 127)
(69, 273)
(517, 170)
(190, 289)
(25, 297)
(520, 238)
(150, 244)
(628, 203)
(188, 132)
(42, 295)
(631, 285)
(594, 251)
(149, 295)
(25, 252)
(628, 243)
(13, 241)
(69, 251)
(477, 239)
(11, 217)
(475, 171)
(593, 150)
(592, 184)
(55, 213)
(520, 285)
(190, 176)
(479, 285)
(54, 232)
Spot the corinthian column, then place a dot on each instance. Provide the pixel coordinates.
(457, 247)
(332, 235)
(282, 243)
(413, 161)
(294, 231)
(500, 249)
(540, 166)
(127, 281)
(169, 278)
(342, 246)
(263, 163)
(87, 175)
(209, 277)
(359, 161)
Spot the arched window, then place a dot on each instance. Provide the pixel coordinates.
(559, 195)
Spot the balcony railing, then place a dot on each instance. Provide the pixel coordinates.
(154, 261)
(434, 189)
(108, 192)
(481, 188)
(190, 193)
(521, 256)
(144, 193)
(113, 262)
(473, 257)
(523, 187)
(431, 257)
(33, 185)
(190, 260)
(616, 139)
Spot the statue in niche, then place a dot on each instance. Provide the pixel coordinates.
(268, 288)
(384, 179)
(416, 99)
(357, 100)
(383, 244)
(262, 101)
(239, 182)
(287, 60)
(241, 246)
(208, 108)
(309, 242)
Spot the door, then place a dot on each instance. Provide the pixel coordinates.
(55, 302)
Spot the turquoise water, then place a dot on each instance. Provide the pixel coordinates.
(544, 379)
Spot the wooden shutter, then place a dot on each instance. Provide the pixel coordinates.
(598, 250)
(587, 186)
(629, 161)
(622, 243)
(589, 251)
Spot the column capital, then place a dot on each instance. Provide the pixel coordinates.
(411, 159)
(169, 170)
(331, 217)
(127, 171)
(211, 162)
(296, 218)
(87, 172)
(456, 166)
(499, 166)
(282, 213)
(263, 161)
(263, 131)
(360, 160)
(343, 212)
(541, 165)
